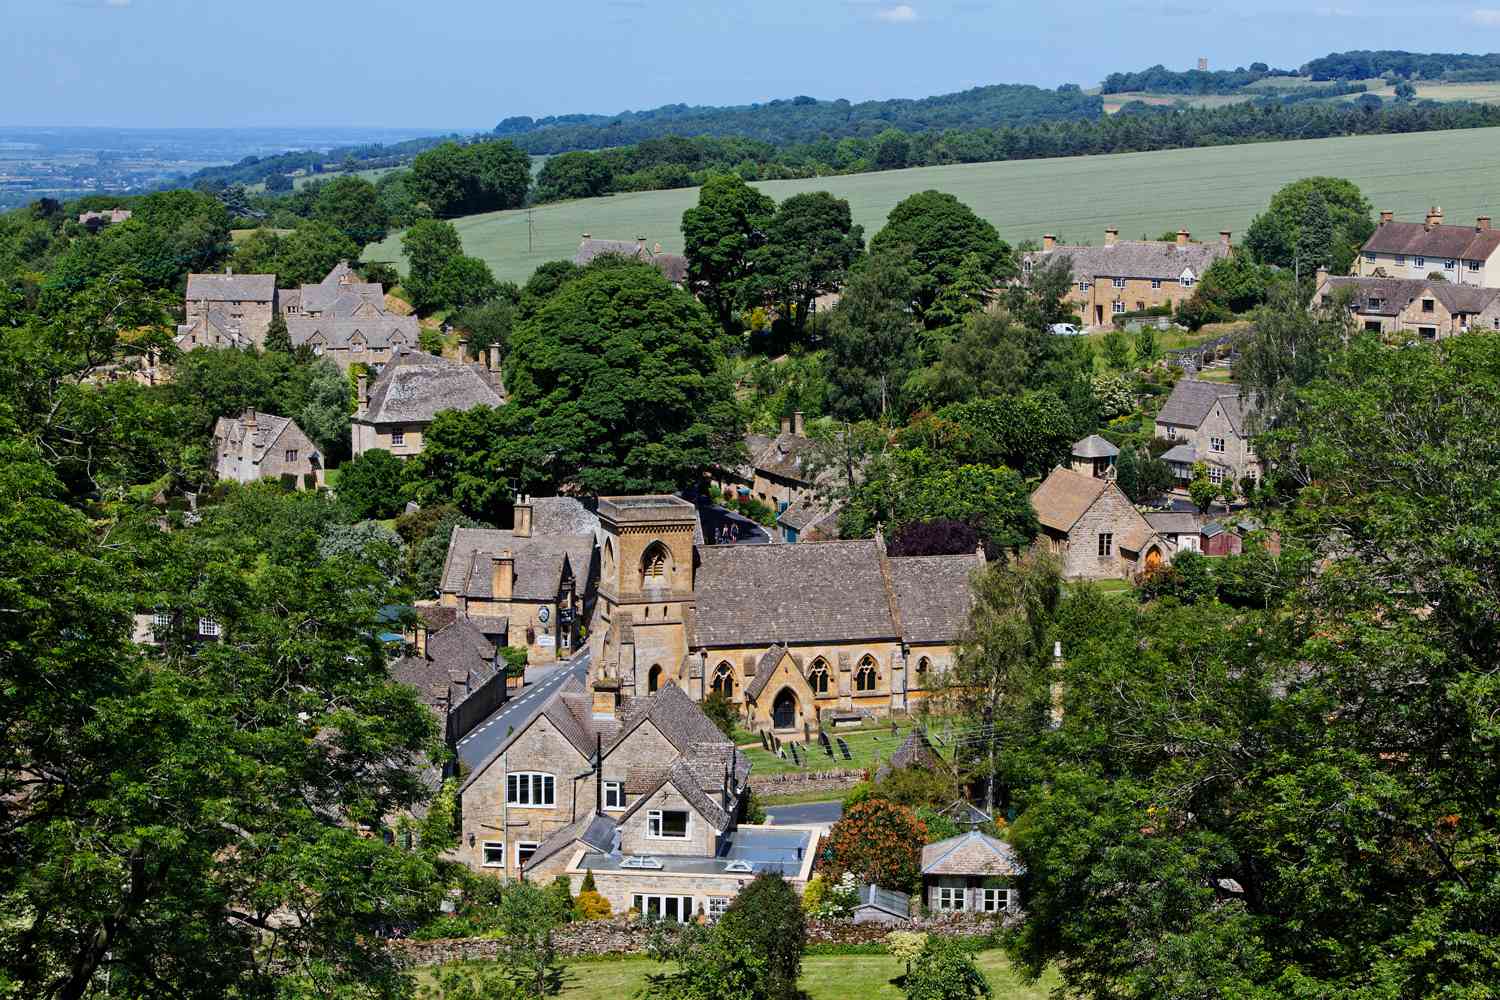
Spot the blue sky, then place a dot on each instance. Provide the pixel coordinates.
(468, 63)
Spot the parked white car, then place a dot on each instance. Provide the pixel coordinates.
(1065, 329)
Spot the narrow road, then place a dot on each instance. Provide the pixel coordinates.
(477, 747)
(805, 814)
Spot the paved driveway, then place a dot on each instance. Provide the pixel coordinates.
(805, 814)
(484, 739)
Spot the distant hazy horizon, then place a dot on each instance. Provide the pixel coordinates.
(183, 64)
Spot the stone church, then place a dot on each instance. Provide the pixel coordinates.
(791, 634)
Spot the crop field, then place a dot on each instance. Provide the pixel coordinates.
(1145, 194)
(1113, 102)
(1485, 92)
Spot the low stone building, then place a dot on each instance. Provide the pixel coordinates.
(242, 306)
(412, 388)
(1430, 309)
(1124, 276)
(971, 873)
(780, 472)
(530, 587)
(98, 220)
(1091, 525)
(256, 446)
(1206, 421)
(455, 669)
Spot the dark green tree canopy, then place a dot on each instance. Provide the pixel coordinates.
(457, 180)
(1339, 225)
(941, 231)
(720, 235)
(811, 242)
(873, 346)
(352, 206)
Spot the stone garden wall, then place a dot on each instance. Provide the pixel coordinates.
(797, 782)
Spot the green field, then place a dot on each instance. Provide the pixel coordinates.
(824, 977)
(1205, 190)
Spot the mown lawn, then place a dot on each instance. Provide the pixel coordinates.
(1204, 190)
(865, 746)
(824, 977)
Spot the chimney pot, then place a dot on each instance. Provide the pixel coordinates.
(1111, 235)
(1225, 236)
(786, 425)
(1482, 223)
(1434, 216)
(1049, 241)
(1386, 216)
(522, 519)
(1322, 276)
(798, 427)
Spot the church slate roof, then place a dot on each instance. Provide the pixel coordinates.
(934, 595)
(413, 387)
(827, 592)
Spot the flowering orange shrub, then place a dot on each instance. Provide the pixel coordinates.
(880, 842)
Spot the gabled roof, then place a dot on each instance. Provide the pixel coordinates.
(558, 524)
(1392, 295)
(676, 716)
(378, 332)
(231, 287)
(1171, 522)
(673, 266)
(413, 387)
(1193, 399)
(1158, 259)
(233, 432)
(680, 776)
(934, 595)
(1420, 239)
(595, 832)
(826, 592)
(897, 904)
(1065, 496)
(459, 659)
(971, 853)
(538, 564)
(1094, 446)
(765, 669)
(809, 517)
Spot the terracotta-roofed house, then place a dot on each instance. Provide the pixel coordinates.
(1464, 255)
(1093, 527)
(256, 446)
(1206, 421)
(1129, 275)
(409, 392)
(971, 873)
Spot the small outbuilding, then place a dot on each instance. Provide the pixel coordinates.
(1094, 456)
(971, 873)
(881, 906)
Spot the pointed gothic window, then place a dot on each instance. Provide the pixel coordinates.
(817, 677)
(864, 677)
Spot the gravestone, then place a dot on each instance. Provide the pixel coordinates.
(844, 749)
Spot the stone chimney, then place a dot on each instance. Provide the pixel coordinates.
(522, 520)
(362, 391)
(1182, 237)
(1482, 223)
(1434, 216)
(463, 349)
(657, 250)
(250, 420)
(1224, 237)
(606, 697)
(1111, 236)
(640, 246)
(1386, 216)
(492, 359)
(798, 427)
(786, 425)
(502, 575)
(1049, 243)
(1321, 277)
(419, 637)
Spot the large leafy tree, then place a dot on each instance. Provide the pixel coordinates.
(767, 915)
(430, 247)
(1030, 432)
(811, 242)
(1339, 227)
(353, 207)
(617, 385)
(873, 346)
(720, 235)
(940, 232)
(457, 180)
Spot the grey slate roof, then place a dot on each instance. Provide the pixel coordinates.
(897, 904)
(1064, 496)
(827, 592)
(1377, 296)
(1419, 239)
(1094, 446)
(558, 524)
(379, 332)
(1136, 259)
(594, 831)
(233, 431)
(673, 266)
(676, 716)
(538, 566)
(971, 853)
(1192, 399)
(807, 517)
(413, 387)
(1185, 453)
(459, 659)
(934, 595)
(681, 777)
(1172, 522)
(231, 287)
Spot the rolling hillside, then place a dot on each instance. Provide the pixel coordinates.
(1204, 190)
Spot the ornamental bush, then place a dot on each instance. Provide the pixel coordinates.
(880, 842)
(767, 917)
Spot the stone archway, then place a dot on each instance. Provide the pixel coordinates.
(784, 709)
(1153, 558)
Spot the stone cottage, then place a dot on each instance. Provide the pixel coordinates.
(412, 388)
(1092, 526)
(346, 320)
(265, 446)
(454, 667)
(243, 305)
(1429, 309)
(1206, 421)
(971, 873)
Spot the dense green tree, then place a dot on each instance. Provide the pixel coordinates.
(709, 966)
(810, 244)
(303, 256)
(987, 356)
(1115, 349)
(971, 290)
(880, 842)
(463, 281)
(1288, 348)
(1236, 283)
(1142, 476)
(1315, 240)
(872, 339)
(940, 232)
(457, 180)
(1276, 237)
(278, 338)
(504, 174)
(945, 970)
(767, 915)
(573, 175)
(369, 485)
(1030, 432)
(487, 325)
(327, 406)
(426, 533)
(430, 246)
(617, 385)
(369, 542)
(352, 206)
(720, 235)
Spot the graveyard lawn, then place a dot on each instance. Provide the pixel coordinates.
(867, 747)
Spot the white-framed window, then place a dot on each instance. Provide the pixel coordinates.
(678, 909)
(1449, 263)
(1106, 543)
(614, 795)
(1216, 444)
(1026, 266)
(291, 454)
(1118, 306)
(1187, 281)
(1401, 260)
(716, 906)
(1171, 433)
(398, 438)
(1155, 282)
(669, 824)
(210, 627)
(524, 850)
(161, 619)
(494, 853)
(1370, 257)
(1118, 282)
(1472, 265)
(534, 789)
(1419, 262)
(1215, 475)
(994, 900)
(317, 350)
(1083, 285)
(952, 898)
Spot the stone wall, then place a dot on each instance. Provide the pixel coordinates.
(796, 782)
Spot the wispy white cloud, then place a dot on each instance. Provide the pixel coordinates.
(1489, 17)
(900, 14)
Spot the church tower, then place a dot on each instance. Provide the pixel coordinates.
(643, 615)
